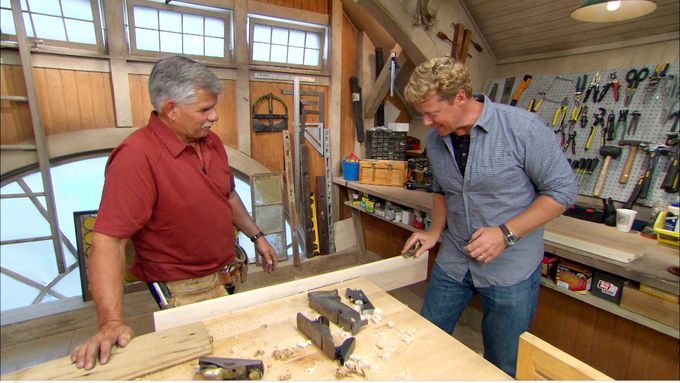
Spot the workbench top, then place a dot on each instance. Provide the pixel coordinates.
(575, 239)
(256, 332)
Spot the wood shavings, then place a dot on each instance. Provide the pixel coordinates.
(390, 324)
(408, 336)
(303, 343)
(355, 366)
(259, 352)
(384, 347)
(312, 368)
(376, 318)
(284, 354)
(263, 326)
(285, 376)
(339, 336)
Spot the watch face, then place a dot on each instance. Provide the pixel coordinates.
(511, 239)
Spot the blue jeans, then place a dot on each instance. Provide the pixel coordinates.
(508, 311)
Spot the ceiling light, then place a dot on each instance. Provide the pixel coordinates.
(602, 11)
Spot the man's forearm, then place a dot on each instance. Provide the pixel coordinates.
(543, 210)
(106, 264)
(240, 216)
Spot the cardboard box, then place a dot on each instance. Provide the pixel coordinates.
(607, 286)
(574, 277)
(650, 306)
(383, 172)
(549, 266)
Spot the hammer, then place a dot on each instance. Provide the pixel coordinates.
(608, 152)
(625, 173)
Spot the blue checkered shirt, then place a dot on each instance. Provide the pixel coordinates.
(514, 157)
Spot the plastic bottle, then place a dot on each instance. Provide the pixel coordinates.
(671, 222)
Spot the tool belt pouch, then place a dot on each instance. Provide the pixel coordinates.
(192, 290)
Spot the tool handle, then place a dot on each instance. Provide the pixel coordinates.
(603, 176)
(523, 85)
(625, 173)
(670, 182)
(653, 160)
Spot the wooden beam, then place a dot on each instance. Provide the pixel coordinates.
(334, 104)
(143, 355)
(388, 274)
(366, 69)
(115, 40)
(398, 22)
(373, 100)
(242, 76)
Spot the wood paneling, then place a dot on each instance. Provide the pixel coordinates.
(69, 101)
(616, 346)
(519, 28)
(225, 127)
(15, 116)
(267, 147)
(318, 6)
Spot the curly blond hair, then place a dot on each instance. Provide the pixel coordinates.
(440, 76)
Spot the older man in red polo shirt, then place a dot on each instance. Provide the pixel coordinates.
(170, 190)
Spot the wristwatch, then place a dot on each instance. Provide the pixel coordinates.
(510, 238)
(256, 236)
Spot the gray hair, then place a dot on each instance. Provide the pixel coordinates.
(178, 78)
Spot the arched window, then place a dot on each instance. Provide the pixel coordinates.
(29, 273)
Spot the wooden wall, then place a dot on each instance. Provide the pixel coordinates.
(616, 346)
(69, 101)
(225, 127)
(319, 6)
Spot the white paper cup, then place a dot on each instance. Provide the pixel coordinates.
(624, 219)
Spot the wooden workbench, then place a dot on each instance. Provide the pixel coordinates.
(256, 332)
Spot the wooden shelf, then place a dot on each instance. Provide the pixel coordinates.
(402, 225)
(614, 309)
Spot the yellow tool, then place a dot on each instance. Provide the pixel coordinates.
(561, 112)
(535, 106)
(315, 225)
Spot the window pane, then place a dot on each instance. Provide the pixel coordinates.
(260, 53)
(20, 219)
(192, 24)
(12, 188)
(80, 31)
(313, 40)
(279, 53)
(28, 23)
(171, 42)
(146, 18)
(280, 36)
(50, 7)
(69, 285)
(214, 27)
(146, 40)
(23, 5)
(49, 27)
(193, 45)
(6, 4)
(7, 22)
(297, 38)
(77, 9)
(311, 57)
(34, 182)
(295, 55)
(34, 260)
(15, 294)
(262, 33)
(214, 47)
(170, 21)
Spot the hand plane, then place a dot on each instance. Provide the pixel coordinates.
(319, 332)
(360, 299)
(210, 368)
(328, 304)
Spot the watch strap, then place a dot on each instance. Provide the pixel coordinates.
(256, 236)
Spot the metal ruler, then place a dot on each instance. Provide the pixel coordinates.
(329, 190)
(296, 140)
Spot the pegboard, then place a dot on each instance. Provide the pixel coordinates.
(649, 127)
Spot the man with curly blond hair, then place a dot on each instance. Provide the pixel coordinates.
(499, 176)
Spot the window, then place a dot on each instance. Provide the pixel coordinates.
(274, 42)
(179, 28)
(71, 23)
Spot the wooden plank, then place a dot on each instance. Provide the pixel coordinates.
(388, 274)
(264, 328)
(85, 97)
(376, 96)
(143, 355)
(650, 306)
(538, 360)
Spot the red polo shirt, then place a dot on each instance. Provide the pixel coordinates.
(176, 213)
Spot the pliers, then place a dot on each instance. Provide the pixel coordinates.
(613, 82)
(571, 141)
(580, 87)
(594, 86)
(561, 112)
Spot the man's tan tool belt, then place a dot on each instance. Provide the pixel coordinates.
(191, 290)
